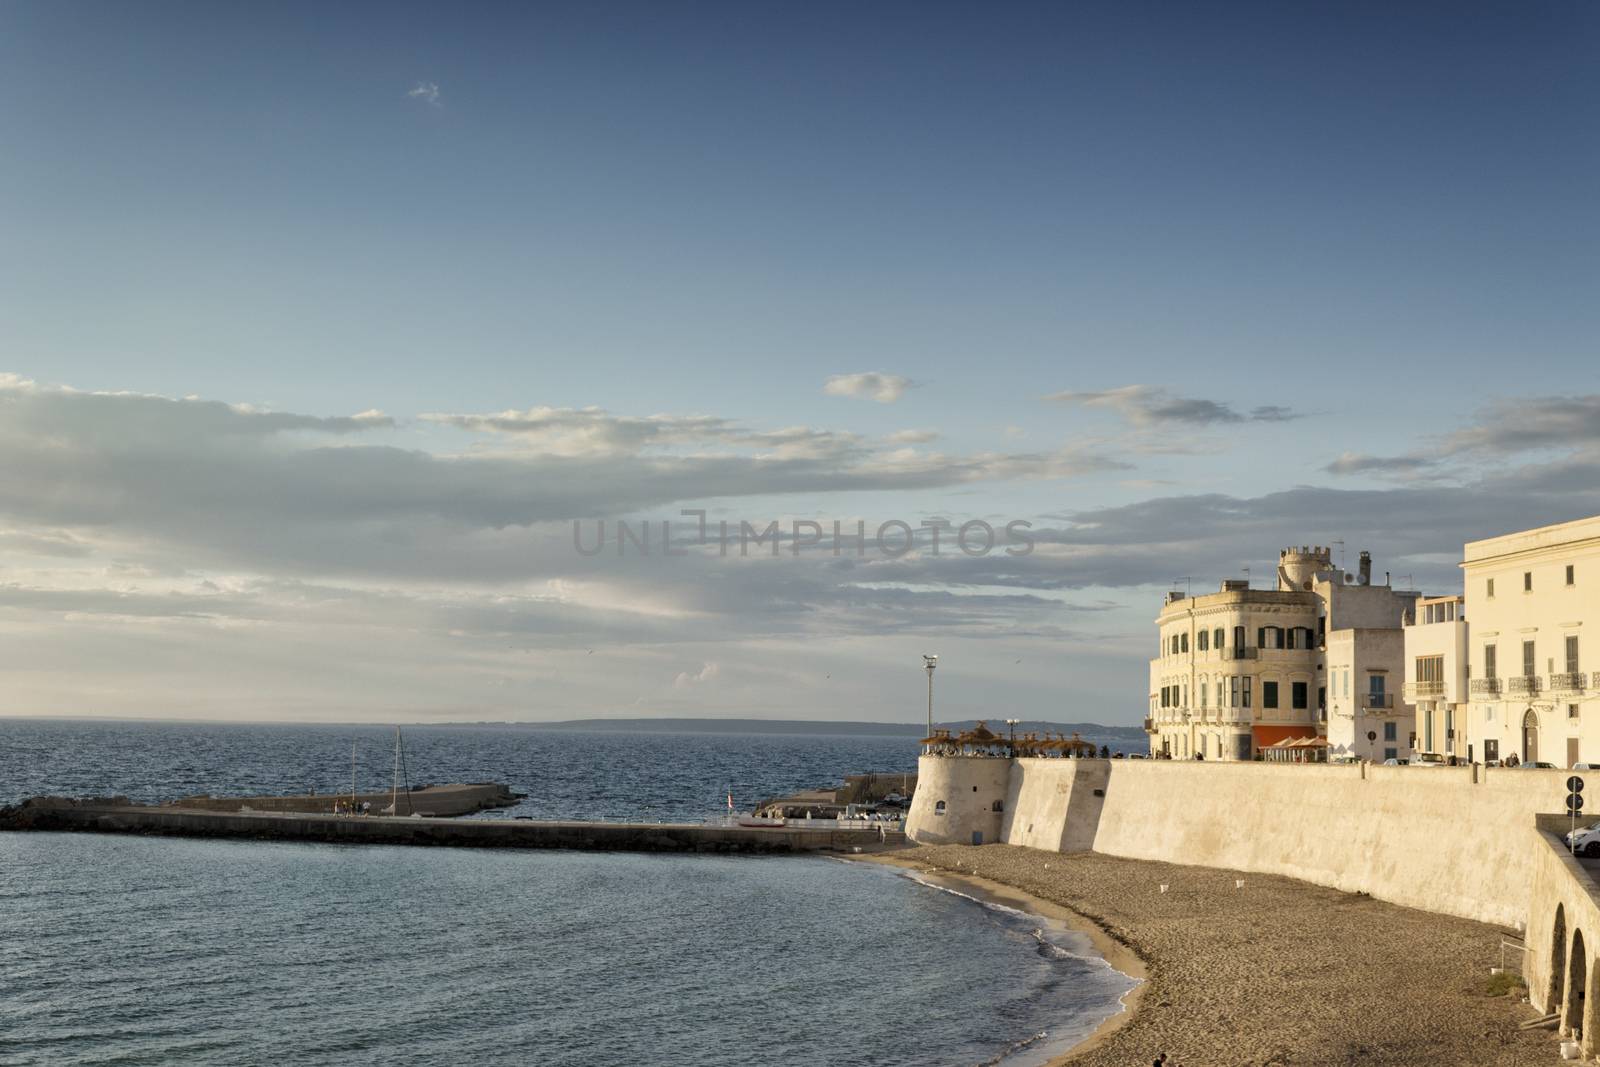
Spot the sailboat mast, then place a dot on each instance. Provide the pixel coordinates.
(352, 777)
(394, 786)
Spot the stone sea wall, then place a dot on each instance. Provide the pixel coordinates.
(1451, 839)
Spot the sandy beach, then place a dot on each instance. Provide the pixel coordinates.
(1278, 972)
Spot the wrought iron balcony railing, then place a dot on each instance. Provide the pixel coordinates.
(1524, 684)
(1242, 653)
(1485, 687)
(1570, 682)
(1377, 701)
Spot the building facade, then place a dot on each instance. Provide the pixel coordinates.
(1242, 669)
(1534, 641)
(1436, 675)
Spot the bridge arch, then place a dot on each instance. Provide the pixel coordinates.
(1558, 959)
(1573, 1002)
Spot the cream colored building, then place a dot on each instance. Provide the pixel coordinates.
(1436, 674)
(1533, 645)
(1242, 669)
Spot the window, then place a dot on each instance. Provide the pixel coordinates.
(1430, 669)
(1489, 588)
(1203, 640)
(1203, 703)
(1489, 665)
(1183, 643)
(938, 809)
(1247, 682)
(1269, 694)
(1572, 654)
(1570, 578)
(1216, 639)
(1528, 666)
(1572, 711)
(1527, 581)
(1238, 637)
(998, 805)
(1233, 692)
(1375, 686)
(1388, 730)
(1298, 694)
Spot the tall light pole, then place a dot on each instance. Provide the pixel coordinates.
(1013, 724)
(928, 664)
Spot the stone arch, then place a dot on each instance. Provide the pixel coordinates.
(1558, 959)
(1572, 1002)
(1530, 736)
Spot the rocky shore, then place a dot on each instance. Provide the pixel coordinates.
(1277, 972)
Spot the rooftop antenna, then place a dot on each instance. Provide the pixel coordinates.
(1188, 584)
(1340, 543)
(1246, 576)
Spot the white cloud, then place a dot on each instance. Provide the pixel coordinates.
(427, 92)
(1148, 405)
(884, 388)
(913, 437)
(706, 673)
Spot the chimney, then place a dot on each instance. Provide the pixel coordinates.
(1365, 571)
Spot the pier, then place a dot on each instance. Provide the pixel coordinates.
(115, 816)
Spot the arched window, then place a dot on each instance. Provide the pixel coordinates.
(1203, 703)
(1183, 642)
(998, 805)
(1216, 638)
(938, 809)
(1203, 640)
(1238, 637)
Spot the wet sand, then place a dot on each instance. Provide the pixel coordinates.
(1279, 972)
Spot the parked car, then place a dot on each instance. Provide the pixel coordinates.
(1585, 840)
(1427, 759)
(1391, 762)
(1586, 766)
(1537, 765)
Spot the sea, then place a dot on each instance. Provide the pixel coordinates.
(132, 950)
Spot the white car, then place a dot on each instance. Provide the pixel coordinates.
(1585, 840)
(1427, 759)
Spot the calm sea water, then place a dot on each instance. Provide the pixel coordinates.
(566, 775)
(169, 951)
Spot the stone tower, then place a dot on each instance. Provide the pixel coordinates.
(1298, 566)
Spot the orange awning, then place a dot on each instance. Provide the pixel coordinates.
(1267, 736)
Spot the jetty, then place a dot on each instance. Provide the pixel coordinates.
(115, 815)
(441, 800)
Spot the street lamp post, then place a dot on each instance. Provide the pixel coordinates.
(928, 664)
(1013, 724)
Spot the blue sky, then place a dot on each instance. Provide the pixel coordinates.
(1374, 225)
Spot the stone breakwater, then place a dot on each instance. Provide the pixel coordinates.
(1279, 972)
(107, 815)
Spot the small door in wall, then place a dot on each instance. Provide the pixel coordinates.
(1572, 751)
(977, 837)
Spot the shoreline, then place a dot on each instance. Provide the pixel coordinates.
(1242, 968)
(1118, 956)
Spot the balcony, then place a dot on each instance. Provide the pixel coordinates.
(1424, 690)
(1241, 653)
(1571, 682)
(1377, 701)
(1488, 687)
(1524, 684)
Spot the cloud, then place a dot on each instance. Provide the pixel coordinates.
(1362, 463)
(706, 673)
(1508, 426)
(884, 388)
(1148, 405)
(913, 437)
(427, 92)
